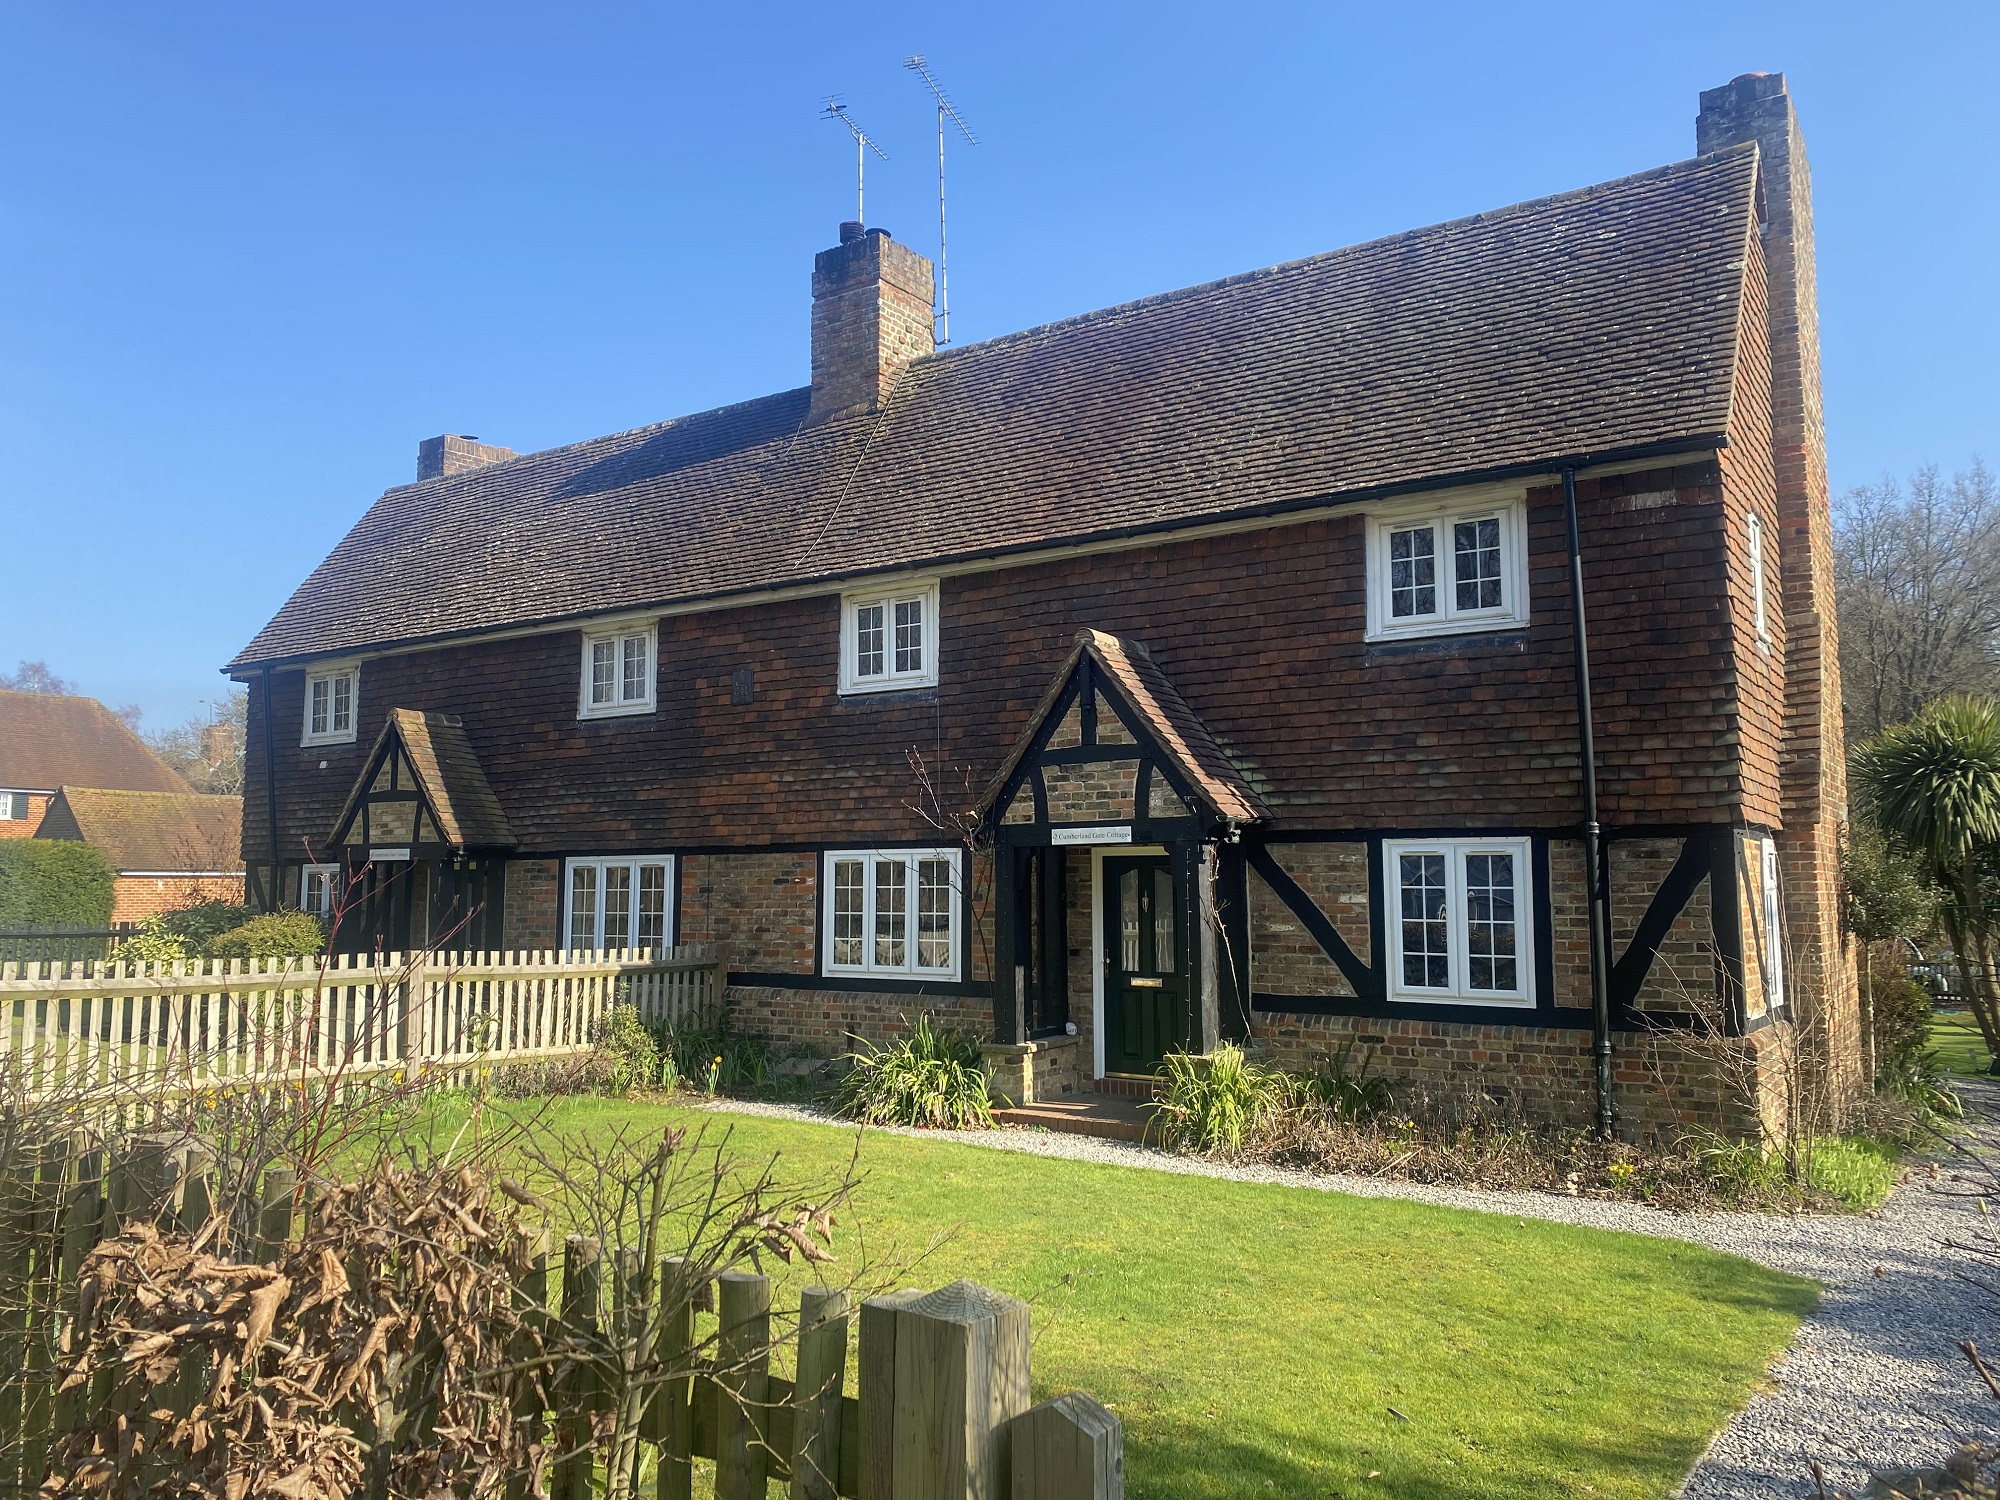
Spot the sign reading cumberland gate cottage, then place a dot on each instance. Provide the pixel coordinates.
(1201, 668)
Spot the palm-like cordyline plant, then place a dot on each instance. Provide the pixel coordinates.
(1935, 783)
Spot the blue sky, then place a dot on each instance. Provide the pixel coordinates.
(251, 253)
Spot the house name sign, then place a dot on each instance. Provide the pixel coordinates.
(385, 856)
(1115, 834)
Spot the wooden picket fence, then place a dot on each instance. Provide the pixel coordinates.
(941, 1406)
(206, 1024)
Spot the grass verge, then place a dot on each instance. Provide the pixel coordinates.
(1958, 1043)
(1272, 1341)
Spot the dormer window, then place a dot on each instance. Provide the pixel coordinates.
(888, 639)
(618, 671)
(333, 698)
(1447, 574)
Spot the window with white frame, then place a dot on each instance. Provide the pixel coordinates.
(623, 901)
(618, 671)
(13, 806)
(333, 698)
(1460, 920)
(319, 889)
(1438, 574)
(892, 912)
(888, 639)
(1756, 532)
(1773, 935)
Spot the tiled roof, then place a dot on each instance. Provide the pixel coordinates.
(48, 740)
(151, 831)
(1588, 326)
(1160, 709)
(449, 777)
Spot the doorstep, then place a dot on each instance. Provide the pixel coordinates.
(1108, 1116)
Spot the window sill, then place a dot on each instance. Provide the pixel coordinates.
(900, 976)
(1484, 1002)
(319, 741)
(1484, 625)
(879, 689)
(626, 711)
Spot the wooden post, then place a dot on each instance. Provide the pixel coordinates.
(274, 1213)
(582, 1272)
(83, 1224)
(742, 1375)
(531, 1295)
(961, 1378)
(1070, 1448)
(877, 1392)
(672, 1413)
(816, 1396)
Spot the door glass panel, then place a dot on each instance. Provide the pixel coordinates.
(891, 912)
(652, 906)
(1163, 922)
(583, 907)
(617, 906)
(1128, 920)
(847, 912)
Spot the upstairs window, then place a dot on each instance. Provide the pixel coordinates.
(888, 640)
(1459, 920)
(620, 902)
(13, 806)
(1431, 574)
(618, 671)
(893, 912)
(319, 890)
(333, 696)
(1757, 586)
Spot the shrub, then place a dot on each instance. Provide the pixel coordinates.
(1905, 1065)
(278, 934)
(929, 1077)
(1345, 1091)
(153, 944)
(1214, 1104)
(714, 1058)
(199, 926)
(54, 883)
(631, 1055)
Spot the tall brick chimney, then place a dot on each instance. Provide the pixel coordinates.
(1813, 772)
(450, 454)
(871, 316)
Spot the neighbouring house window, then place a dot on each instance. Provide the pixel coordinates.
(1459, 925)
(888, 640)
(13, 806)
(332, 699)
(1772, 938)
(893, 912)
(1757, 586)
(319, 889)
(618, 671)
(1439, 574)
(621, 902)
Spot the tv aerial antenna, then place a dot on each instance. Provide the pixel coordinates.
(946, 110)
(863, 144)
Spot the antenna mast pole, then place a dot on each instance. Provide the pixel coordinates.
(921, 68)
(863, 144)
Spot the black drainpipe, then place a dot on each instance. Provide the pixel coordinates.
(1593, 851)
(271, 796)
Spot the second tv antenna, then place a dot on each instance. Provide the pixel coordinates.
(863, 144)
(945, 111)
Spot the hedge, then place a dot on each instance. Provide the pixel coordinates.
(47, 883)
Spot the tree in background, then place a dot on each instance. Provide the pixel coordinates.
(35, 677)
(1888, 902)
(208, 748)
(1917, 576)
(1934, 785)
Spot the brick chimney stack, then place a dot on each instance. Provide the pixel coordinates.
(450, 454)
(871, 315)
(1813, 771)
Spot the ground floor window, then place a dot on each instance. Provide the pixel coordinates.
(1459, 920)
(319, 889)
(624, 901)
(892, 912)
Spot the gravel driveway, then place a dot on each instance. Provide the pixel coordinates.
(1873, 1379)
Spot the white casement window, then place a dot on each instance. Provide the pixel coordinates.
(1757, 585)
(618, 671)
(888, 639)
(319, 889)
(1773, 935)
(1431, 574)
(624, 901)
(13, 806)
(333, 702)
(1460, 920)
(893, 912)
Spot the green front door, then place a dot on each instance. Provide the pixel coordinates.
(1145, 965)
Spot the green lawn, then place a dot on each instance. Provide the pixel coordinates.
(1959, 1044)
(1253, 1339)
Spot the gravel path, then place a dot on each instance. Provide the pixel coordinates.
(1873, 1379)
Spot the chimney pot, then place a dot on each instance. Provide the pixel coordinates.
(850, 231)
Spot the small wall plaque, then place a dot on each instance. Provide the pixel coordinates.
(387, 856)
(1118, 834)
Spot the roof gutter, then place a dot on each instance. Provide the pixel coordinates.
(966, 561)
(1596, 872)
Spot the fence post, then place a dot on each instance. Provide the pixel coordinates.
(1070, 1448)
(743, 1310)
(274, 1213)
(672, 1412)
(961, 1378)
(876, 1392)
(816, 1396)
(532, 1296)
(582, 1272)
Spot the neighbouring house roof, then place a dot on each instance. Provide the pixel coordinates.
(448, 777)
(155, 832)
(1160, 712)
(1596, 325)
(50, 740)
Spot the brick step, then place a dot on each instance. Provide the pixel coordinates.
(1104, 1115)
(1127, 1086)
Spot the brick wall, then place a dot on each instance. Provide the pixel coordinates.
(760, 910)
(531, 905)
(1102, 792)
(137, 897)
(827, 1022)
(1285, 959)
(24, 828)
(871, 315)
